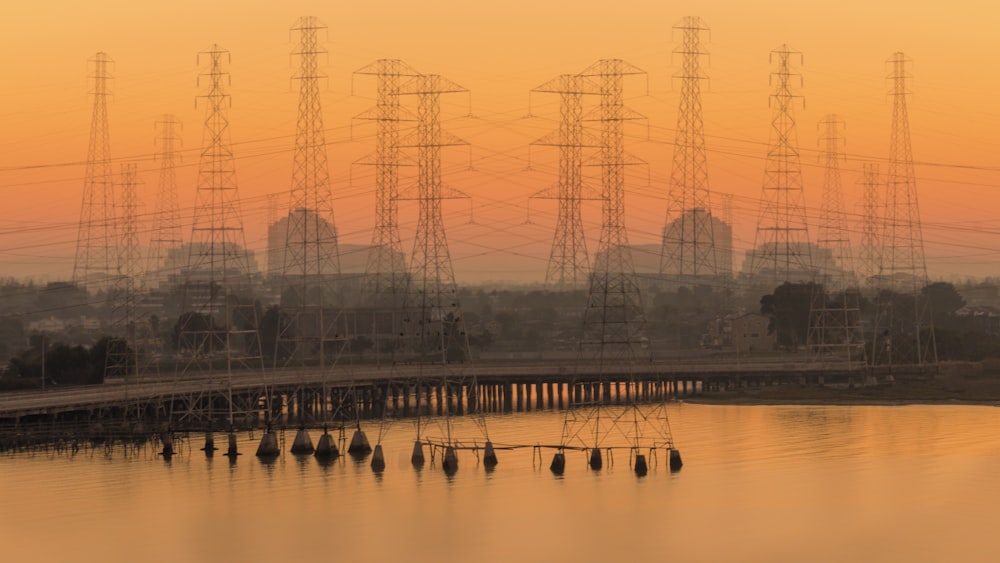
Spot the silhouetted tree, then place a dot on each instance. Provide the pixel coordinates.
(789, 306)
(121, 361)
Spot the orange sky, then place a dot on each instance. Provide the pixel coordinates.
(499, 50)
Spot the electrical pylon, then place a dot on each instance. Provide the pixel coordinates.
(904, 329)
(689, 246)
(568, 265)
(781, 251)
(385, 272)
(122, 354)
(96, 241)
(166, 232)
(220, 320)
(612, 340)
(614, 319)
(313, 328)
(869, 258)
(835, 315)
(431, 299)
(432, 316)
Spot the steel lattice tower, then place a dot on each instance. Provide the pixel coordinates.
(568, 265)
(96, 242)
(121, 359)
(221, 318)
(833, 230)
(431, 301)
(311, 254)
(835, 318)
(432, 317)
(869, 260)
(689, 246)
(781, 244)
(613, 321)
(385, 273)
(166, 232)
(904, 329)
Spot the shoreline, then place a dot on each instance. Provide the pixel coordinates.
(705, 399)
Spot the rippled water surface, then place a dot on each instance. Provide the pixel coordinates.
(760, 483)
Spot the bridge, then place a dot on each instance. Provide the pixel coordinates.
(365, 389)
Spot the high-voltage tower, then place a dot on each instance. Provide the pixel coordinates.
(904, 329)
(869, 259)
(123, 346)
(613, 321)
(568, 263)
(220, 320)
(165, 236)
(431, 303)
(96, 241)
(310, 252)
(689, 239)
(385, 273)
(835, 315)
(781, 251)
(433, 323)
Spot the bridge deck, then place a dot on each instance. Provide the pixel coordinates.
(66, 399)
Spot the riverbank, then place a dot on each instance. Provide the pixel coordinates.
(945, 388)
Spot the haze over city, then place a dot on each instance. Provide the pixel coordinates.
(499, 53)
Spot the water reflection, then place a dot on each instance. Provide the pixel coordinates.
(777, 483)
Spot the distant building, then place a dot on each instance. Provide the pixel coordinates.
(230, 262)
(743, 332)
(682, 230)
(316, 228)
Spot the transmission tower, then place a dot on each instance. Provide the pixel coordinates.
(310, 252)
(433, 320)
(870, 258)
(689, 245)
(220, 318)
(166, 232)
(613, 321)
(385, 273)
(781, 244)
(904, 331)
(121, 357)
(96, 242)
(835, 318)
(431, 299)
(568, 263)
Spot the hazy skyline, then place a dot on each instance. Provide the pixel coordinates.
(499, 52)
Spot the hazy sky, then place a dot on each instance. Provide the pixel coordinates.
(499, 50)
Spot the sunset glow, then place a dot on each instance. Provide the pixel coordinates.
(499, 51)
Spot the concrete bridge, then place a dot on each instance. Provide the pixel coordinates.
(359, 390)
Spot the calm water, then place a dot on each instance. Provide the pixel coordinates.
(768, 483)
